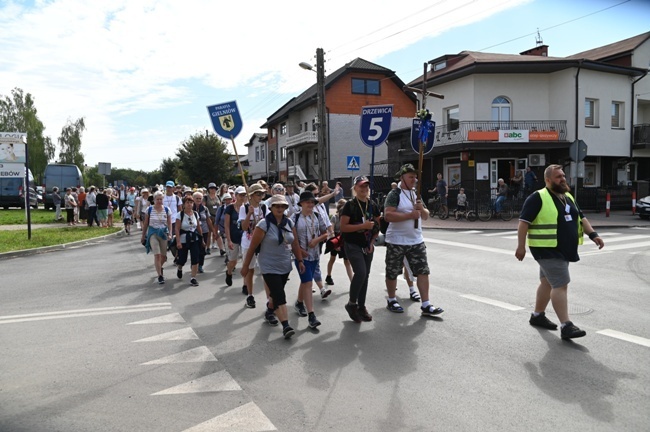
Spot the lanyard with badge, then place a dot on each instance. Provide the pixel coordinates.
(567, 208)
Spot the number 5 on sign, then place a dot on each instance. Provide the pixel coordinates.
(375, 124)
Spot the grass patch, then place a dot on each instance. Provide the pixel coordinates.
(17, 216)
(17, 240)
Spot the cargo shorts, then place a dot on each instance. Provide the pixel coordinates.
(416, 256)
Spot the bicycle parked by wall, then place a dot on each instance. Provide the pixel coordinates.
(487, 210)
(467, 213)
(435, 207)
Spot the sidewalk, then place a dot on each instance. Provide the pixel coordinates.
(616, 219)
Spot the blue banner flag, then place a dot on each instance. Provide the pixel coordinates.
(226, 120)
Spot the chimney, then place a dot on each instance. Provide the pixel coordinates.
(540, 50)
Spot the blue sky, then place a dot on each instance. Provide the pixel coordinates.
(142, 72)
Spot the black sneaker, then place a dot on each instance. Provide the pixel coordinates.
(222, 253)
(161, 280)
(299, 307)
(244, 290)
(270, 318)
(179, 273)
(364, 315)
(393, 306)
(228, 279)
(541, 321)
(194, 282)
(353, 312)
(250, 302)
(288, 332)
(201, 269)
(431, 310)
(570, 331)
(313, 321)
(329, 281)
(207, 251)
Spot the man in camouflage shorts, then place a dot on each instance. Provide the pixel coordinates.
(405, 212)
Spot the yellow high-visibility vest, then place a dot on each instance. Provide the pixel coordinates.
(542, 232)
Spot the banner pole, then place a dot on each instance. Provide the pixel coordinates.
(241, 171)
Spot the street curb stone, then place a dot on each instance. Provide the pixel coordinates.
(45, 249)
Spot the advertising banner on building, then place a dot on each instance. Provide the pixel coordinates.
(15, 170)
(12, 149)
(514, 135)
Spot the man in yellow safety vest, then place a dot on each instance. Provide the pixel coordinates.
(553, 226)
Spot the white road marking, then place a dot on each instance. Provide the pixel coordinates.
(627, 246)
(470, 232)
(606, 234)
(472, 246)
(497, 303)
(216, 382)
(182, 334)
(246, 418)
(494, 234)
(626, 238)
(511, 237)
(595, 252)
(84, 312)
(164, 319)
(626, 337)
(194, 355)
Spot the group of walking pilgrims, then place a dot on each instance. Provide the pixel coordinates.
(275, 233)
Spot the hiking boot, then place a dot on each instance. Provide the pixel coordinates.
(161, 280)
(194, 282)
(250, 302)
(324, 292)
(179, 273)
(244, 290)
(363, 314)
(288, 332)
(570, 331)
(329, 281)
(431, 310)
(313, 321)
(353, 312)
(270, 318)
(541, 321)
(393, 306)
(299, 307)
(228, 279)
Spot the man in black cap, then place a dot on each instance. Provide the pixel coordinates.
(404, 211)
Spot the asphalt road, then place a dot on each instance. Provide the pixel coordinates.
(91, 343)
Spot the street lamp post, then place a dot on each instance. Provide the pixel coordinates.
(323, 156)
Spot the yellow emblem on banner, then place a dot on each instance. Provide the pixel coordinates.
(227, 122)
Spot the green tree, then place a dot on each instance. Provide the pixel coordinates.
(70, 142)
(92, 177)
(18, 114)
(169, 170)
(203, 159)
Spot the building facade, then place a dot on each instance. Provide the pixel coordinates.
(293, 129)
(258, 158)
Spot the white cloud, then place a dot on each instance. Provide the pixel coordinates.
(112, 62)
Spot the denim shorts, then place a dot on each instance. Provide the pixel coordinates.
(310, 269)
(556, 272)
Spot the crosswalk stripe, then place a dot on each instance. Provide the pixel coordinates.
(494, 234)
(608, 234)
(626, 337)
(84, 310)
(216, 382)
(492, 302)
(182, 334)
(470, 232)
(627, 238)
(471, 246)
(7, 320)
(246, 418)
(194, 355)
(164, 319)
(628, 246)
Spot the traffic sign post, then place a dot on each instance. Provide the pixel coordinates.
(374, 130)
(353, 163)
(227, 123)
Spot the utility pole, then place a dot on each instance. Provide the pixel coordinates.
(323, 159)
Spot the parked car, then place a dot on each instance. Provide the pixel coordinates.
(12, 192)
(643, 207)
(39, 194)
(62, 176)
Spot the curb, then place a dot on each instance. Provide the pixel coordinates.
(45, 249)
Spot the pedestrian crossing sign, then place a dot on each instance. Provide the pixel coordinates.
(353, 163)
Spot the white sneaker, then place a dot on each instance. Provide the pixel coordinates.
(324, 292)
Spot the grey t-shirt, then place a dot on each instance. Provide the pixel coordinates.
(275, 258)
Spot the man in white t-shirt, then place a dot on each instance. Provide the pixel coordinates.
(249, 215)
(405, 212)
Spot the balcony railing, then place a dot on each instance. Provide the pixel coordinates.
(482, 131)
(303, 138)
(641, 135)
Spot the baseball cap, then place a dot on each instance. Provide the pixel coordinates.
(240, 190)
(360, 180)
(169, 184)
(212, 186)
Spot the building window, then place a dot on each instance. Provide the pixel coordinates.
(283, 129)
(315, 156)
(305, 126)
(440, 65)
(273, 133)
(591, 112)
(313, 124)
(283, 153)
(501, 109)
(272, 156)
(257, 154)
(452, 116)
(365, 86)
(262, 153)
(617, 115)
